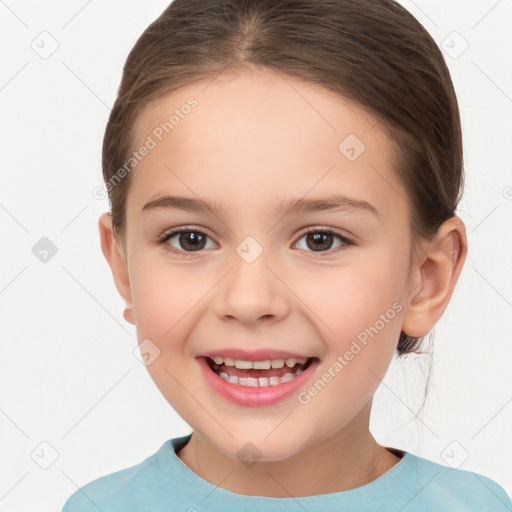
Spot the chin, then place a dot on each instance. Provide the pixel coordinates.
(252, 446)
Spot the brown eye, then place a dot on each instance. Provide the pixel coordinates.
(191, 240)
(321, 240)
(186, 241)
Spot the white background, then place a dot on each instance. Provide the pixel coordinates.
(69, 377)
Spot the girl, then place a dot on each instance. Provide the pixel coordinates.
(283, 178)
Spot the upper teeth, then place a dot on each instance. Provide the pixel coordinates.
(258, 365)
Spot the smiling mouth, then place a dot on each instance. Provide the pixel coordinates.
(258, 373)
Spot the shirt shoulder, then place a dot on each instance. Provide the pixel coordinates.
(132, 488)
(442, 487)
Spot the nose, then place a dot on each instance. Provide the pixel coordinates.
(252, 290)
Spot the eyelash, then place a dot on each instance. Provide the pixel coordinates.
(188, 229)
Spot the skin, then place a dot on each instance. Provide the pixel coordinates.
(254, 139)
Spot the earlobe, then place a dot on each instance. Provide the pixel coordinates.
(117, 262)
(128, 315)
(434, 278)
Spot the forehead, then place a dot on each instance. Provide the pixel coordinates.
(260, 135)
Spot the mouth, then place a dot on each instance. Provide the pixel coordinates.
(269, 372)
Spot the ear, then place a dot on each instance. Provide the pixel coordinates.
(433, 278)
(117, 261)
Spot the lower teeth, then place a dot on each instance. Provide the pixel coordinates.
(260, 382)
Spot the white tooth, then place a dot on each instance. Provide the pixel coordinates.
(298, 372)
(252, 381)
(277, 363)
(243, 381)
(261, 365)
(286, 377)
(229, 362)
(263, 381)
(218, 360)
(274, 381)
(233, 379)
(291, 362)
(243, 365)
(224, 375)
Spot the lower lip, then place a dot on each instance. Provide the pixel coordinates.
(252, 396)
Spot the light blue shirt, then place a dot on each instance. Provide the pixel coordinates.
(163, 483)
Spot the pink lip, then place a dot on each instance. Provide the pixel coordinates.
(262, 354)
(255, 396)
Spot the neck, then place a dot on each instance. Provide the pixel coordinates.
(350, 458)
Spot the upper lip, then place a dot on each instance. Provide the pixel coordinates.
(261, 354)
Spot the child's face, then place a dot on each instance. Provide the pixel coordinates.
(253, 142)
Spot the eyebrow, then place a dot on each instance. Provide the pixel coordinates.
(287, 207)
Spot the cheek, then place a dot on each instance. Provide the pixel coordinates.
(366, 325)
(164, 302)
(360, 310)
(163, 298)
(369, 320)
(347, 299)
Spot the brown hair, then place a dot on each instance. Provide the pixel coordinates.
(373, 52)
